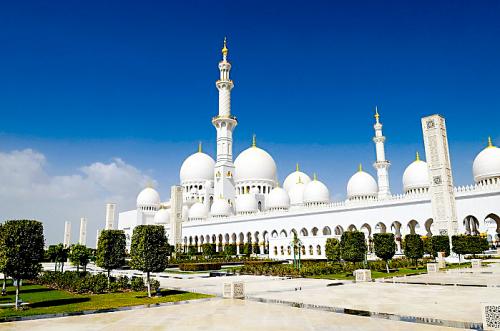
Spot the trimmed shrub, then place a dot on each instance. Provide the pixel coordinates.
(385, 247)
(155, 285)
(137, 284)
(256, 248)
(208, 249)
(440, 244)
(247, 249)
(230, 249)
(123, 282)
(353, 246)
(191, 250)
(467, 244)
(199, 266)
(413, 247)
(332, 249)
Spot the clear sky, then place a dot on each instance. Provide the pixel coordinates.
(98, 97)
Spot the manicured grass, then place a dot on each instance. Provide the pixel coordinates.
(48, 301)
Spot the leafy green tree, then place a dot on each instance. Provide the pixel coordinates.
(353, 246)
(79, 255)
(149, 250)
(440, 244)
(385, 247)
(468, 244)
(2, 267)
(111, 250)
(208, 249)
(21, 250)
(413, 247)
(58, 254)
(230, 249)
(332, 249)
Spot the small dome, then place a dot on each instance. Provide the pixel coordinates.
(148, 197)
(220, 208)
(254, 163)
(316, 192)
(246, 203)
(487, 163)
(293, 178)
(416, 176)
(197, 167)
(162, 216)
(296, 193)
(278, 199)
(361, 185)
(198, 211)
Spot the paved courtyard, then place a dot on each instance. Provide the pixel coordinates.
(273, 303)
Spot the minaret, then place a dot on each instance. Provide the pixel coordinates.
(382, 165)
(83, 232)
(67, 234)
(224, 124)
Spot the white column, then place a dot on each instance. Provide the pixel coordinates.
(83, 232)
(110, 216)
(441, 189)
(382, 165)
(175, 236)
(67, 234)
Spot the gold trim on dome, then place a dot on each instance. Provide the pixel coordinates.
(360, 167)
(199, 147)
(224, 49)
(417, 156)
(254, 140)
(490, 143)
(377, 116)
(297, 167)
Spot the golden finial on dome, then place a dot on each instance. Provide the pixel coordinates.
(417, 156)
(297, 167)
(199, 147)
(377, 116)
(299, 181)
(149, 184)
(315, 177)
(224, 49)
(490, 143)
(360, 167)
(254, 140)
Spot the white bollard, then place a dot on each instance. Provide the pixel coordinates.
(476, 263)
(432, 268)
(363, 275)
(234, 290)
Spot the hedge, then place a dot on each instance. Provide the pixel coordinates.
(353, 246)
(199, 266)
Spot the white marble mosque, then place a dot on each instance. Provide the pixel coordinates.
(226, 202)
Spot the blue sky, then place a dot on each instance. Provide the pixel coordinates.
(85, 82)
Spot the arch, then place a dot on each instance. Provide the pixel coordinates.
(303, 250)
(311, 250)
(256, 236)
(274, 234)
(314, 231)
(249, 237)
(380, 227)
(318, 250)
(471, 225)
(413, 226)
(283, 234)
(396, 229)
(207, 239)
(492, 219)
(233, 238)
(367, 229)
(214, 239)
(293, 233)
(259, 205)
(327, 231)
(202, 240)
(339, 230)
(265, 236)
(241, 238)
(428, 227)
(304, 232)
(226, 237)
(352, 227)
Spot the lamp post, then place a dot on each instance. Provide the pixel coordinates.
(296, 242)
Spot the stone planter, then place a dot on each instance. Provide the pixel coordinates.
(363, 275)
(491, 316)
(234, 290)
(432, 268)
(476, 263)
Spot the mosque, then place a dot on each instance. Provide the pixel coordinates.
(225, 202)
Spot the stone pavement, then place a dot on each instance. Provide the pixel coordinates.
(219, 314)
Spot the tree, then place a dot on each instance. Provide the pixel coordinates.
(149, 250)
(332, 249)
(467, 244)
(58, 254)
(2, 267)
(21, 250)
(385, 247)
(208, 249)
(413, 247)
(353, 246)
(79, 255)
(440, 244)
(111, 250)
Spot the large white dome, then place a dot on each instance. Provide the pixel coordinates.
(198, 211)
(148, 197)
(254, 163)
(361, 185)
(316, 192)
(416, 176)
(296, 193)
(487, 163)
(278, 199)
(220, 208)
(294, 177)
(246, 203)
(162, 216)
(197, 167)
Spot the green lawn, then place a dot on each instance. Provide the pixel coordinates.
(48, 301)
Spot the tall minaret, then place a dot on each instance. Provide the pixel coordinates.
(67, 234)
(224, 124)
(83, 232)
(382, 165)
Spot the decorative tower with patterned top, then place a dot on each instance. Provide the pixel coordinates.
(382, 165)
(224, 123)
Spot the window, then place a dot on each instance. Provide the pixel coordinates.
(318, 249)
